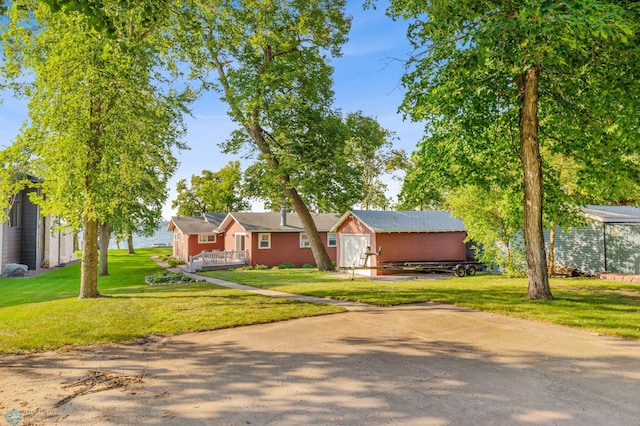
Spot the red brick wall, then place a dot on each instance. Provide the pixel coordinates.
(187, 245)
(285, 247)
(197, 248)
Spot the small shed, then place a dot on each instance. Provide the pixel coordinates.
(609, 243)
(398, 236)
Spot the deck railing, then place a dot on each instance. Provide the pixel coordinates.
(219, 258)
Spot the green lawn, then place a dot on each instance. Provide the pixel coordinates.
(604, 307)
(44, 312)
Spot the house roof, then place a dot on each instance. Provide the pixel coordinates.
(613, 214)
(190, 225)
(405, 221)
(270, 222)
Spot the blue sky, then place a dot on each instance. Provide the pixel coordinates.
(367, 78)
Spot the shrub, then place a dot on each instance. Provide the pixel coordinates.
(261, 267)
(286, 265)
(308, 266)
(244, 268)
(168, 278)
(172, 262)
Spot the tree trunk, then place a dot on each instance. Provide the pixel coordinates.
(551, 258)
(320, 255)
(105, 236)
(130, 243)
(89, 267)
(533, 192)
(323, 261)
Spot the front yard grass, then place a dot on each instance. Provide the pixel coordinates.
(604, 307)
(44, 312)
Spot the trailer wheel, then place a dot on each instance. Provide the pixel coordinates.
(460, 271)
(471, 270)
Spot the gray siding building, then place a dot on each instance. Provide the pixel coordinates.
(29, 238)
(611, 241)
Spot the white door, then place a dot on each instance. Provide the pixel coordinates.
(240, 242)
(352, 252)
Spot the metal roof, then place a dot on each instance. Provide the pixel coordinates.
(613, 214)
(270, 222)
(406, 221)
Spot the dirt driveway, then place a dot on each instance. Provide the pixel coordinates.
(423, 364)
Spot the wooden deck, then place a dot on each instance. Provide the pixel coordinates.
(211, 260)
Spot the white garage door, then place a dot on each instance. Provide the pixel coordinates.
(352, 251)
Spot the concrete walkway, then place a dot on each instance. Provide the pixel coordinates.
(351, 306)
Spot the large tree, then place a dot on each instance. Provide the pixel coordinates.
(523, 67)
(370, 148)
(271, 60)
(215, 192)
(100, 129)
(350, 155)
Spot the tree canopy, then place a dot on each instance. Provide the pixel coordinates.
(101, 127)
(501, 83)
(214, 192)
(271, 61)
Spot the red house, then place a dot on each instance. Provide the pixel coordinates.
(193, 235)
(254, 238)
(275, 238)
(403, 236)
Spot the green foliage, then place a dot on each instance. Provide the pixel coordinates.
(215, 192)
(286, 265)
(467, 84)
(308, 266)
(103, 117)
(261, 267)
(493, 220)
(168, 278)
(271, 60)
(174, 262)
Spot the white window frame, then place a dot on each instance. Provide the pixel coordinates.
(304, 241)
(202, 240)
(335, 239)
(268, 240)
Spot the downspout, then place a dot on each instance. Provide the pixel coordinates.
(604, 240)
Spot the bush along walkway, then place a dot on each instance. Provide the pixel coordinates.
(351, 306)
